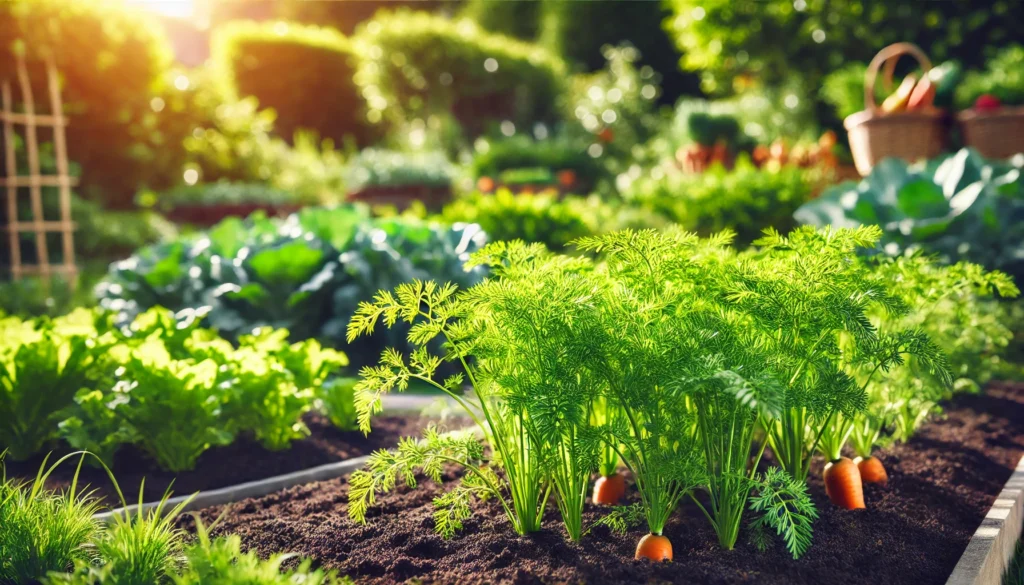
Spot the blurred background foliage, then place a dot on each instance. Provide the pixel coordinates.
(543, 120)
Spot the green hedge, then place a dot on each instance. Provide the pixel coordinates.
(113, 62)
(415, 64)
(305, 73)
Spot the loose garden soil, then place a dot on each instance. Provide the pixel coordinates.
(914, 530)
(242, 461)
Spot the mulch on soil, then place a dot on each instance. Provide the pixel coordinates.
(242, 461)
(914, 530)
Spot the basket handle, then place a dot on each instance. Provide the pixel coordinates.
(889, 56)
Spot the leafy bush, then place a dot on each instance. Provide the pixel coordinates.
(1002, 77)
(113, 62)
(580, 32)
(375, 167)
(958, 206)
(307, 273)
(303, 72)
(553, 222)
(745, 199)
(415, 64)
(616, 108)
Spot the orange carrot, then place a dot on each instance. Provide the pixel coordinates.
(843, 484)
(609, 489)
(655, 547)
(871, 470)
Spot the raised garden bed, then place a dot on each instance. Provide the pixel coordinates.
(209, 215)
(941, 484)
(242, 461)
(402, 196)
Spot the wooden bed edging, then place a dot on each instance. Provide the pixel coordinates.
(991, 549)
(396, 403)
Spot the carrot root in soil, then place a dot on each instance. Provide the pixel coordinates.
(654, 547)
(609, 489)
(871, 470)
(843, 484)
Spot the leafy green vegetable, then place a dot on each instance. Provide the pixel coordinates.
(958, 206)
(306, 274)
(41, 369)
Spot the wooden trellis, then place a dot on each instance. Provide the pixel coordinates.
(30, 121)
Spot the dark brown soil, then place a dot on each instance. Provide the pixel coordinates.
(244, 460)
(913, 531)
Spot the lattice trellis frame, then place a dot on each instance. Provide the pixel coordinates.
(11, 181)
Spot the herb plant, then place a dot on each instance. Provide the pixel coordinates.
(42, 531)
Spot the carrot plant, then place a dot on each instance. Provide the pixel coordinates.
(522, 341)
(800, 293)
(713, 393)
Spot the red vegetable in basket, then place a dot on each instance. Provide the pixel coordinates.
(871, 470)
(923, 95)
(987, 102)
(655, 547)
(609, 489)
(843, 484)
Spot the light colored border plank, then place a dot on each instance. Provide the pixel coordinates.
(990, 550)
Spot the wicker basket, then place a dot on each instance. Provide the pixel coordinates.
(875, 135)
(998, 134)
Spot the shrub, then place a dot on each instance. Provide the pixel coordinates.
(415, 64)
(615, 108)
(113, 61)
(746, 199)
(303, 72)
(580, 32)
(521, 20)
(219, 193)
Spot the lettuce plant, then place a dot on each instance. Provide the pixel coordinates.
(172, 406)
(42, 366)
